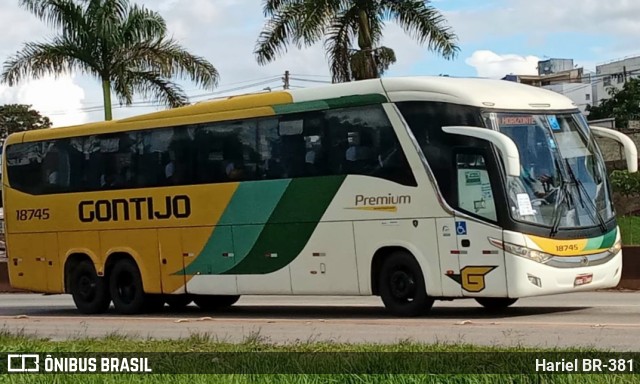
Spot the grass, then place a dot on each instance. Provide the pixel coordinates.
(203, 343)
(630, 229)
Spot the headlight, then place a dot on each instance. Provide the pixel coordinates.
(615, 248)
(525, 252)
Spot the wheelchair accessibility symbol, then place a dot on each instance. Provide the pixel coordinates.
(461, 228)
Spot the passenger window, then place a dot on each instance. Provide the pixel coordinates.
(363, 142)
(358, 141)
(474, 187)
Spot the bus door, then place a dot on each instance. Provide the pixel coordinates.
(172, 261)
(482, 265)
(449, 263)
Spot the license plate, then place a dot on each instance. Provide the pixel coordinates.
(583, 279)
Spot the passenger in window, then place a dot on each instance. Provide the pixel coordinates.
(359, 148)
(359, 155)
(170, 168)
(125, 178)
(52, 178)
(107, 180)
(233, 160)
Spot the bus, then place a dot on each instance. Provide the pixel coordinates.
(414, 189)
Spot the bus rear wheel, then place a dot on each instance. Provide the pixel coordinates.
(495, 303)
(212, 302)
(89, 291)
(402, 286)
(126, 288)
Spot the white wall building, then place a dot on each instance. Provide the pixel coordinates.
(579, 93)
(614, 74)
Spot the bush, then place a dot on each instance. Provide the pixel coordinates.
(625, 183)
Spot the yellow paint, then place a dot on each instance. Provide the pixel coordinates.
(37, 264)
(385, 208)
(148, 241)
(26, 239)
(573, 247)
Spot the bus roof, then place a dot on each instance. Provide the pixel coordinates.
(487, 93)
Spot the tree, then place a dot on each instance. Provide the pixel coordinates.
(623, 104)
(18, 118)
(125, 46)
(340, 22)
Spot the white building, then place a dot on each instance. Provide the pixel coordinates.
(579, 93)
(614, 74)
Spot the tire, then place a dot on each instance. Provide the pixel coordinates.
(402, 286)
(125, 285)
(89, 291)
(178, 302)
(213, 302)
(495, 303)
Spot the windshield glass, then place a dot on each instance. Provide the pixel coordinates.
(563, 178)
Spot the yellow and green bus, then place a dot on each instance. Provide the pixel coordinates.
(413, 189)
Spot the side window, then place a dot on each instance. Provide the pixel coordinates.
(38, 168)
(426, 119)
(363, 142)
(227, 152)
(293, 146)
(474, 188)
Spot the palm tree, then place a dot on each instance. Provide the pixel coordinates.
(125, 46)
(340, 22)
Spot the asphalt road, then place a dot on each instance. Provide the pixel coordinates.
(606, 320)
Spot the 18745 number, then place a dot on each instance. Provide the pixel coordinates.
(32, 214)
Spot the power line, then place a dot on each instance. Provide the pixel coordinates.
(143, 103)
(311, 80)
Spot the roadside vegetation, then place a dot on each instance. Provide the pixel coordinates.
(375, 356)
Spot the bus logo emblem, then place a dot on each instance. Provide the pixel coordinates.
(471, 278)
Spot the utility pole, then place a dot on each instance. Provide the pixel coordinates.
(285, 80)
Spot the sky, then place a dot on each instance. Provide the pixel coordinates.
(496, 38)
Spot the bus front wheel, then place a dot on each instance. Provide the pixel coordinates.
(212, 302)
(89, 291)
(402, 286)
(495, 303)
(125, 285)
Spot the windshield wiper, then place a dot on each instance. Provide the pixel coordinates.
(581, 189)
(561, 198)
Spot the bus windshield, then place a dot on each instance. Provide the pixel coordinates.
(563, 179)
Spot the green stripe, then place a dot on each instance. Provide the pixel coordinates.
(291, 225)
(605, 241)
(356, 100)
(211, 259)
(305, 106)
(338, 102)
(252, 203)
(593, 243)
(609, 239)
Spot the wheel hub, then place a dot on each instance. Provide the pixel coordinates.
(402, 285)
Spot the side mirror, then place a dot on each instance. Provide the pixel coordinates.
(630, 150)
(505, 145)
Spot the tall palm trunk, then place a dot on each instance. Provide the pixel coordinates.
(106, 94)
(365, 42)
